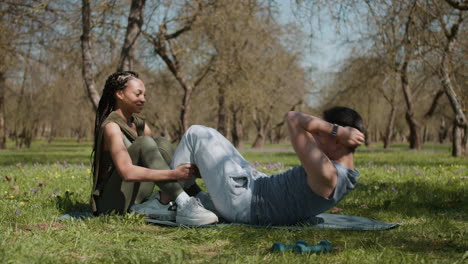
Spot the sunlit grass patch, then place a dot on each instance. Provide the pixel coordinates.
(426, 191)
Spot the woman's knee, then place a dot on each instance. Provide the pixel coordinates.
(144, 143)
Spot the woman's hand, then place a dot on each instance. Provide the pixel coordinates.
(350, 137)
(184, 172)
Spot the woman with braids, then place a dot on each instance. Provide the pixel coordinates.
(128, 162)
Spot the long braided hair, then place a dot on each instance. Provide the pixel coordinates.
(115, 82)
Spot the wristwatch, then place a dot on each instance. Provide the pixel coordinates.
(335, 130)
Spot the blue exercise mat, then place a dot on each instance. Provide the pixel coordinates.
(321, 221)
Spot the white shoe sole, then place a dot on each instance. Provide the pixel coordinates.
(156, 216)
(162, 217)
(182, 220)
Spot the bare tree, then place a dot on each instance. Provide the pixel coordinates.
(399, 33)
(135, 22)
(460, 128)
(2, 112)
(87, 67)
(460, 5)
(166, 47)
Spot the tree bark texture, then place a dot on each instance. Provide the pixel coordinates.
(2, 112)
(460, 122)
(415, 128)
(261, 125)
(163, 46)
(173, 65)
(186, 104)
(135, 22)
(443, 131)
(460, 4)
(87, 70)
(459, 141)
(221, 110)
(389, 129)
(237, 129)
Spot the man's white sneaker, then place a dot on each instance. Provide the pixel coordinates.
(194, 214)
(206, 201)
(153, 208)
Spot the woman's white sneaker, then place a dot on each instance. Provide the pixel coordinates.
(153, 208)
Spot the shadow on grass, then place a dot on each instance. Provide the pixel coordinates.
(413, 199)
(419, 244)
(378, 158)
(68, 204)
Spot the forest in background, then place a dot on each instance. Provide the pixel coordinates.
(234, 66)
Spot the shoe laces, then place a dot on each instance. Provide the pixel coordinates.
(196, 202)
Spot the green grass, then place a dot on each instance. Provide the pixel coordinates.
(426, 190)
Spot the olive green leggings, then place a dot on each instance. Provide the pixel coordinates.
(117, 195)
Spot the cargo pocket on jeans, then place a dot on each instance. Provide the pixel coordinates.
(240, 183)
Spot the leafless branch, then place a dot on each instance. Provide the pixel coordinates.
(460, 5)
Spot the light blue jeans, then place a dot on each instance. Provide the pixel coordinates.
(228, 177)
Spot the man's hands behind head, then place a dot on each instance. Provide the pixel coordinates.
(350, 137)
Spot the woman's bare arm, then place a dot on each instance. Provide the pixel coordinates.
(113, 141)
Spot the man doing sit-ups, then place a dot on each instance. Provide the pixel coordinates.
(240, 193)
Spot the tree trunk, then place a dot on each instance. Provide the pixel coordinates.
(237, 130)
(279, 135)
(460, 123)
(135, 22)
(367, 139)
(389, 129)
(184, 83)
(425, 134)
(415, 128)
(459, 133)
(163, 46)
(260, 126)
(2, 112)
(260, 139)
(443, 131)
(465, 141)
(221, 111)
(184, 113)
(87, 70)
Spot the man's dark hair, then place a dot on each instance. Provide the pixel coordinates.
(344, 116)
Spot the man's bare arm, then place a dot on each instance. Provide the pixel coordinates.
(322, 175)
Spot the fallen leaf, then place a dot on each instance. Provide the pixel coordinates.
(336, 210)
(43, 226)
(41, 184)
(8, 178)
(15, 187)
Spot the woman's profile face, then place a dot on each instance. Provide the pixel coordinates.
(132, 97)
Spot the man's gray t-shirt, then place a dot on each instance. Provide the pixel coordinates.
(286, 198)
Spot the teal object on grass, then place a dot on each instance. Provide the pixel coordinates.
(323, 247)
(280, 247)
